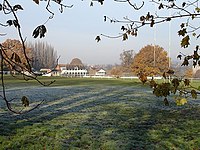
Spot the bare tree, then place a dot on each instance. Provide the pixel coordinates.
(43, 55)
(126, 58)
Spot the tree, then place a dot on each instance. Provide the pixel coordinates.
(151, 60)
(189, 73)
(13, 55)
(116, 71)
(43, 55)
(126, 58)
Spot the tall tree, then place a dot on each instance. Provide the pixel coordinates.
(13, 55)
(43, 55)
(126, 58)
(151, 60)
(116, 71)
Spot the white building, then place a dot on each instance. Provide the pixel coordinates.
(74, 69)
(101, 72)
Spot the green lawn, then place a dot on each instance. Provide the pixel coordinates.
(97, 114)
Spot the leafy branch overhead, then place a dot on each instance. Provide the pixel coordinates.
(172, 85)
(189, 10)
(15, 54)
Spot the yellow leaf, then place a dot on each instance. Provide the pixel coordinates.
(181, 101)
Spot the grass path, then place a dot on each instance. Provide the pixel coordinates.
(99, 117)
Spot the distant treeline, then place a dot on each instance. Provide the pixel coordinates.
(43, 55)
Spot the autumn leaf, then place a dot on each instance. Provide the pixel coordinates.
(182, 32)
(143, 78)
(101, 1)
(197, 47)
(179, 56)
(181, 101)
(196, 55)
(185, 41)
(148, 16)
(170, 71)
(186, 82)
(197, 9)
(194, 94)
(123, 28)
(58, 1)
(25, 101)
(164, 75)
(105, 18)
(185, 62)
(36, 1)
(142, 18)
(91, 4)
(98, 38)
(17, 58)
(153, 84)
(175, 83)
(9, 22)
(17, 7)
(16, 24)
(166, 102)
(182, 25)
(183, 4)
(12, 57)
(160, 6)
(162, 89)
(125, 37)
(39, 31)
(152, 23)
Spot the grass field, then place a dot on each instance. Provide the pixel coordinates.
(97, 114)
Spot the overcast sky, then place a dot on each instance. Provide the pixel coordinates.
(73, 32)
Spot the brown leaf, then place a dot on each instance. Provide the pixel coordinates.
(36, 1)
(185, 42)
(25, 101)
(170, 71)
(98, 38)
(143, 78)
(166, 102)
(187, 82)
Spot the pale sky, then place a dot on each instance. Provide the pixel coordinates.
(73, 32)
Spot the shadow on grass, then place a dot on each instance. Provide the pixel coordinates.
(101, 117)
